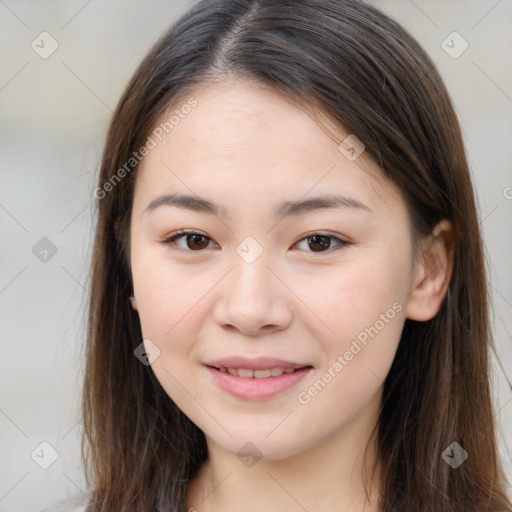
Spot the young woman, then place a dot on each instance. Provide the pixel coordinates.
(288, 304)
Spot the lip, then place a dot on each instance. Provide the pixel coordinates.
(258, 363)
(254, 388)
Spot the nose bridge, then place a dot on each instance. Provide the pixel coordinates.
(251, 272)
(253, 297)
(252, 289)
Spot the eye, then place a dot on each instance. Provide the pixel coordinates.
(319, 242)
(191, 240)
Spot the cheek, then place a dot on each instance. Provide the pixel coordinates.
(171, 308)
(357, 359)
(365, 307)
(167, 295)
(352, 299)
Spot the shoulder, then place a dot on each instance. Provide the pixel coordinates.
(73, 503)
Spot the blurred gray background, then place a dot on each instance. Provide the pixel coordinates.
(54, 112)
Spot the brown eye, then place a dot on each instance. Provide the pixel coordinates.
(317, 242)
(189, 241)
(196, 242)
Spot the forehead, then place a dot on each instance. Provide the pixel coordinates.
(249, 140)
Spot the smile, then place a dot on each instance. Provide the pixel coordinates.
(248, 373)
(256, 383)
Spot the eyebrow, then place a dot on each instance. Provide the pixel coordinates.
(285, 209)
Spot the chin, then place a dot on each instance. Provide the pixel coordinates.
(256, 446)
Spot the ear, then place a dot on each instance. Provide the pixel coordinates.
(432, 274)
(133, 301)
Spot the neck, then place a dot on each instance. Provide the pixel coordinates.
(328, 476)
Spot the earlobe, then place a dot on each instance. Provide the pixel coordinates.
(133, 302)
(433, 274)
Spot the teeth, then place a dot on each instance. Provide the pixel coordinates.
(275, 372)
(261, 374)
(248, 373)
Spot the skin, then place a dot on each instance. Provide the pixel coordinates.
(249, 149)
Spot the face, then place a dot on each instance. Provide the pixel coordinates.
(276, 293)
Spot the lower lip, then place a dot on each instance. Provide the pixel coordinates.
(256, 389)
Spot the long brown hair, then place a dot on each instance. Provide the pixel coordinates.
(371, 77)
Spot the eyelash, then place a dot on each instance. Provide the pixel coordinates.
(170, 241)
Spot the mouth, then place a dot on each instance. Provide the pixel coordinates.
(250, 373)
(257, 379)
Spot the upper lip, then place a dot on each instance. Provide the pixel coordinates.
(258, 363)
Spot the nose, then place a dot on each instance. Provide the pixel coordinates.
(253, 300)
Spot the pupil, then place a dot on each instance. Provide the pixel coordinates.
(317, 243)
(196, 239)
(322, 241)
